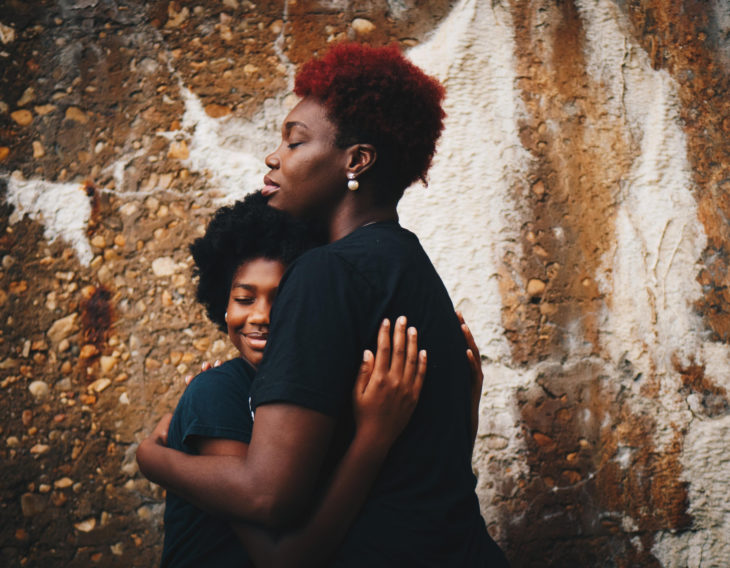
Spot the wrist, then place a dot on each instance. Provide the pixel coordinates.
(372, 441)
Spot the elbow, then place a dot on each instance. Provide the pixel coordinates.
(279, 511)
(143, 461)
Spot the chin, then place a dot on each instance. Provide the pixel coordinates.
(275, 201)
(254, 358)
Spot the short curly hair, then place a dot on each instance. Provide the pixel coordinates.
(375, 95)
(244, 231)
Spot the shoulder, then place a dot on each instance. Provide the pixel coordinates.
(225, 379)
(369, 248)
(322, 266)
(215, 405)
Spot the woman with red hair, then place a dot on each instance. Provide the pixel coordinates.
(365, 129)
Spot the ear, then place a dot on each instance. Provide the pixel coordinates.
(361, 158)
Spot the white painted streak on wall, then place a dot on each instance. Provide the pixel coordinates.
(468, 219)
(62, 208)
(721, 18)
(708, 446)
(229, 149)
(651, 279)
(652, 272)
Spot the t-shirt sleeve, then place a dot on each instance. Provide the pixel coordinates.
(215, 405)
(318, 330)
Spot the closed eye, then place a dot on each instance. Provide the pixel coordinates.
(244, 301)
(293, 145)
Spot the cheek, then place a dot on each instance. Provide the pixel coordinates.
(236, 315)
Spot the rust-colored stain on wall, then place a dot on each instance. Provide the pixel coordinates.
(595, 472)
(573, 184)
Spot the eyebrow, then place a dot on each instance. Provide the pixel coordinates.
(248, 287)
(291, 124)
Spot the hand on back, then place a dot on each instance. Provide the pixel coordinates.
(477, 375)
(389, 383)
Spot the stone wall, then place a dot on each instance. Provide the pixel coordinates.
(577, 210)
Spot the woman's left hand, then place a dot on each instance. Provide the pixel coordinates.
(477, 375)
(388, 387)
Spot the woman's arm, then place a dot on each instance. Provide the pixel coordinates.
(385, 395)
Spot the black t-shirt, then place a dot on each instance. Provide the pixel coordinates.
(422, 510)
(214, 405)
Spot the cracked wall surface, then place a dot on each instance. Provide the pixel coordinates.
(577, 211)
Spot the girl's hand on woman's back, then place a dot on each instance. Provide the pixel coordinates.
(389, 384)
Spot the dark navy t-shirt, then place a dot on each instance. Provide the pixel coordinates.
(422, 510)
(214, 405)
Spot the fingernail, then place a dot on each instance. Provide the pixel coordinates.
(188, 378)
(402, 320)
(386, 322)
(411, 331)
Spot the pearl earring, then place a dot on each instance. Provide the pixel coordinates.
(353, 184)
(225, 316)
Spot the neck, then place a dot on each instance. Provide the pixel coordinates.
(350, 217)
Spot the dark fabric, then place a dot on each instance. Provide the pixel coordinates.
(422, 510)
(214, 405)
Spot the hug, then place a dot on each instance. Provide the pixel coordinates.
(347, 459)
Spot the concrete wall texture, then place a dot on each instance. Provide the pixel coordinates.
(577, 210)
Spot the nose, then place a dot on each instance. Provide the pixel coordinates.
(260, 313)
(272, 160)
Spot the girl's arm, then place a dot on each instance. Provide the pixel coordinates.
(385, 395)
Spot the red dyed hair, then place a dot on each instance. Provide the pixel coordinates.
(375, 95)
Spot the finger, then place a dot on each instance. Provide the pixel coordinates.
(420, 374)
(188, 378)
(382, 356)
(411, 366)
(473, 363)
(164, 427)
(205, 366)
(460, 316)
(477, 375)
(366, 370)
(217, 363)
(399, 345)
(470, 343)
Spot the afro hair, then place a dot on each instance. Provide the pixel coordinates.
(244, 231)
(375, 95)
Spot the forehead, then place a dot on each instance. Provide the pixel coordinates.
(311, 116)
(259, 271)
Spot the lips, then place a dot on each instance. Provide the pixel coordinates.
(256, 339)
(270, 187)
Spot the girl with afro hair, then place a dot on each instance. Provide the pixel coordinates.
(239, 263)
(366, 127)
